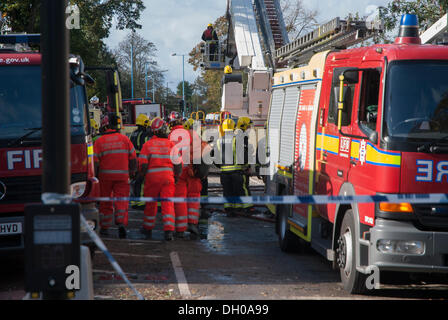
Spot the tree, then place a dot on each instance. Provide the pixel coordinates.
(96, 17)
(143, 58)
(298, 19)
(188, 90)
(428, 12)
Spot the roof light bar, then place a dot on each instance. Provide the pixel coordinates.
(408, 30)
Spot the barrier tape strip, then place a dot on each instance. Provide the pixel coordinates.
(319, 199)
(316, 199)
(109, 257)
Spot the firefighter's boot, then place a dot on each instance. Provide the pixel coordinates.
(122, 231)
(169, 235)
(194, 231)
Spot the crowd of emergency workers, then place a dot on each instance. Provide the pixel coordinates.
(151, 163)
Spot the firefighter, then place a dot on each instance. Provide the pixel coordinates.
(210, 36)
(159, 173)
(242, 126)
(138, 138)
(115, 162)
(232, 172)
(139, 135)
(201, 171)
(181, 137)
(189, 184)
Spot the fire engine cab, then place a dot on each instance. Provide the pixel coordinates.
(21, 140)
(364, 121)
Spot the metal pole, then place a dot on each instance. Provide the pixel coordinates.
(55, 98)
(146, 81)
(132, 69)
(153, 90)
(183, 85)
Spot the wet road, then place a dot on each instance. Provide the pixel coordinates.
(237, 259)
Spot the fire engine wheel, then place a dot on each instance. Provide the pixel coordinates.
(286, 239)
(352, 280)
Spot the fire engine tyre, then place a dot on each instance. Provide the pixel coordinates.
(287, 240)
(353, 281)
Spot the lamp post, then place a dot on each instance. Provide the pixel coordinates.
(132, 68)
(183, 81)
(146, 81)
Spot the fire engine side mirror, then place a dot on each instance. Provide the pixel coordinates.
(351, 76)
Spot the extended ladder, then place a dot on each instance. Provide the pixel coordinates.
(336, 33)
(435, 31)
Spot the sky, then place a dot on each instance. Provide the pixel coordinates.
(176, 27)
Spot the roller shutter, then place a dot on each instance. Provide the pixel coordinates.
(275, 118)
(288, 126)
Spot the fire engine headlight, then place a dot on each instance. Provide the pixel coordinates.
(78, 189)
(401, 246)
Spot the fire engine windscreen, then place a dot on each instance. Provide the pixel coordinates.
(416, 101)
(20, 103)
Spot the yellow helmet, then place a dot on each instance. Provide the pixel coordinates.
(142, 120)
(243, 123)
(94, 125)
(228, 125)
(209, 25)
(189, 124)
(228, 70)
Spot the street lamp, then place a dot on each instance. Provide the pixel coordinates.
(146, 79)
(132, 69)
(183, 81)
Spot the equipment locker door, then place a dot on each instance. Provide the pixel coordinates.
(304, 155)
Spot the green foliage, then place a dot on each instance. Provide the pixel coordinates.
(96, 17)
(188, 90)
(428, 12)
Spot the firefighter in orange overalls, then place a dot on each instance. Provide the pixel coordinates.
(197, 173)
(160, 166)
(187, 215)
(115, 162)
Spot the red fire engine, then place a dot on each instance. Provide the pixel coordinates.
(364, 121)
(20, 138)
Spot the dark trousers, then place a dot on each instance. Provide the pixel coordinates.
(235, 184)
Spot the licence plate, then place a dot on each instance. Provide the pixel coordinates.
(10, 228)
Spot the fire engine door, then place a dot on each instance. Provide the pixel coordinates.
(333, 149)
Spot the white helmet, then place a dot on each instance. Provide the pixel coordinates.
(94, 100)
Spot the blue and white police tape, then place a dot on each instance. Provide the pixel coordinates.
(311, 199)
(109, 257)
